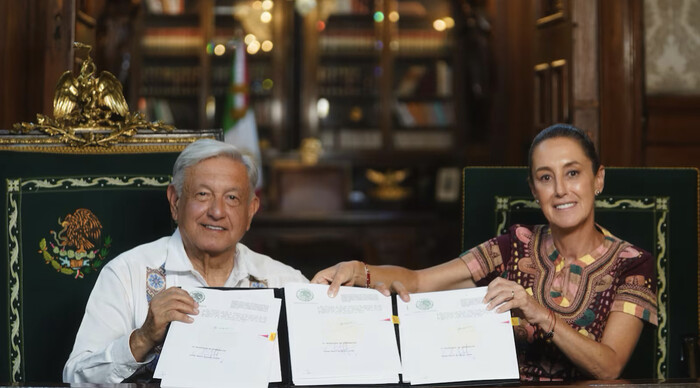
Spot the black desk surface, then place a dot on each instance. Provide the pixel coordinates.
(675, 383)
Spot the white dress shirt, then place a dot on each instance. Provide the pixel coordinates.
(118, 304)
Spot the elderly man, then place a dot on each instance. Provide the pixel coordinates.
(138, 293)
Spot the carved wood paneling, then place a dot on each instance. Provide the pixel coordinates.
(37, 48)
(584, 67)
(512, 45)
(621, 94)
(672, 137)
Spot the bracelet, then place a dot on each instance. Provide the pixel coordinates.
(550, 333)
(367, 275)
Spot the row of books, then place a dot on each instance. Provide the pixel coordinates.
(172, 41)
(352, 139)
(165, 7)
(361, 7)
(338, 80)
(423, 140)
(255, 90)
(171, 75)
(372, 140)
(423, 41)
(363, 40)
(169, 90)
(348, 41)
(353, 7)
(419, 114)
(222, 74)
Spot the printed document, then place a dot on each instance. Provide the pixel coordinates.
(232, 341)
(449, 336)
(349, 339)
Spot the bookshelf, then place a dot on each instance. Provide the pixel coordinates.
(379, 79)
(185, 56)
(380, 93)
(170, 63)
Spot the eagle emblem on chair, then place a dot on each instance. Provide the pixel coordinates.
(77, 248)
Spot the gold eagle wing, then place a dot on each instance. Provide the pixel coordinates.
(398, 176)
(66, 96)
(109, 94)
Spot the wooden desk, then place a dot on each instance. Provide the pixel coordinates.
(675, 383)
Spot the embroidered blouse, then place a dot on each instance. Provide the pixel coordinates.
(617, 276)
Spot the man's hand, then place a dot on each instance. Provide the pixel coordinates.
(173, 304)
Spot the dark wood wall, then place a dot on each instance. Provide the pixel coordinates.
(512, 47)
(36, 41)
(621, 43)
(672, 136)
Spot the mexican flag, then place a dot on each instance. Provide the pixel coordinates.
(238, 119)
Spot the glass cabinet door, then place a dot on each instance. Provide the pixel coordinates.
(379, 75)
(169, 64)
(422, 87)
(343, 70)
(248, 39)
(188, 72)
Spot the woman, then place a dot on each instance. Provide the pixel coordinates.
(580, 293)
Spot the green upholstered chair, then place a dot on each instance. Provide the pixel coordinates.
(653, 208)
(67, 212)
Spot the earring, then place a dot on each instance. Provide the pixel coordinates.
(597, 193)
(537, 201)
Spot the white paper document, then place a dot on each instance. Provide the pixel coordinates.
(449, 336)
(349, 339)
(232, 342)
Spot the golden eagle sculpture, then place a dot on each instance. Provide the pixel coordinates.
(90, 110)
(388, 188)
(81, 230)
(89, 96)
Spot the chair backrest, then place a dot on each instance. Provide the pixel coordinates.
(653, 208)
(68, 211)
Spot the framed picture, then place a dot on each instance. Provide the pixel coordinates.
(298, 188)
(447, 184)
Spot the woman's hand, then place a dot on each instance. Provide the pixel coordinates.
(506, 295)
(391, 278)
(396, 287)
(345, 273)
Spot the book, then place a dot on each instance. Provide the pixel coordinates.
(410, 79)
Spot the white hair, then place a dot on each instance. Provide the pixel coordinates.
(208, 148)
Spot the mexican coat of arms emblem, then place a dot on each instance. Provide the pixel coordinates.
(78, 248)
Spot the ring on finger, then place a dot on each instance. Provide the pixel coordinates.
(512, 294)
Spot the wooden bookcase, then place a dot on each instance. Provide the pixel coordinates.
(184, 57)
(381, 80)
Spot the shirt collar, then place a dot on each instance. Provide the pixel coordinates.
(178, 261)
